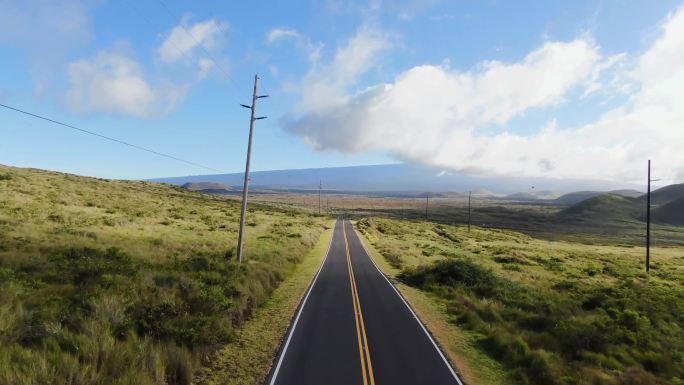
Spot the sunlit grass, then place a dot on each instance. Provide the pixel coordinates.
(248, 358)
(130, 282)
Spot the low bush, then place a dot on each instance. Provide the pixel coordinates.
(544, 336)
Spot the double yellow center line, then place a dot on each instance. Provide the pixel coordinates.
(366, 367)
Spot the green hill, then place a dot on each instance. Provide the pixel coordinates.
(671, 213)
(575, 197)
(209, 187)
(118, 282)
(521, 196)
(666, 194)
(579, 196)
(604, 206)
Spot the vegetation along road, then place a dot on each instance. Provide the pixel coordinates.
(353, 327)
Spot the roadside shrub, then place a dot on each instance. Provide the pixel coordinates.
(576, 336)
(509, 259)
(531, 367)
(394, 259)
(179, 363)
(442, 232)
(454, 272)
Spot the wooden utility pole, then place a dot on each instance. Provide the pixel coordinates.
(470, 193)
(320, 187)
(648, 218)
(245, 186)
(427, 203)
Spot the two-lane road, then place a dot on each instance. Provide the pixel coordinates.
(353, 327)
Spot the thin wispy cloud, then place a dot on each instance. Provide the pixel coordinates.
(281, 33)
(186, 38)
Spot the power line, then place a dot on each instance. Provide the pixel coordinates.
(109, 138)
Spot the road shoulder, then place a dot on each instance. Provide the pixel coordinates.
(248, 359)
(474, 367)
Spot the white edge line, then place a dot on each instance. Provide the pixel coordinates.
(301, 307)
(446, 361)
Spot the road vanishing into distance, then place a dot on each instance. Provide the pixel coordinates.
(353, 327)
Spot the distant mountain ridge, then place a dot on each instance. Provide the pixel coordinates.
(394, 178)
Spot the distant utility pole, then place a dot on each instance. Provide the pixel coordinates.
(470, 193)
(648, 218)
(245, 186)
(427, 203)
(320, 187)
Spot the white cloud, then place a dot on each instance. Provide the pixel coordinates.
(457, 120)
(595, 82)
(281, 33)
(112, 82)
(312, 50)
(325, 85)
(205, 66)
(184, 38)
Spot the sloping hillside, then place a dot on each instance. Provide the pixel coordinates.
(666, 194)
(115, 282)
(579, 196)
(603, 207)
(576, 197)
(667, 207)
(671, 213)
(522, 197)
(209, 187)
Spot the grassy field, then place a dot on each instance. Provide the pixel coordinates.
(597, 223)
(113, 282)
(247, 360)
(547, 312)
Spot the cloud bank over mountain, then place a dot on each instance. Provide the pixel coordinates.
(446, 117)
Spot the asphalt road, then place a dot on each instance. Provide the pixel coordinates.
(354, 328)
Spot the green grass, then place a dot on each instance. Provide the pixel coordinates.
(548, 312)
(113, 282)
(248, 358)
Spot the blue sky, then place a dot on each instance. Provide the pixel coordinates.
(342, 77)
